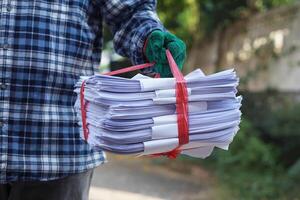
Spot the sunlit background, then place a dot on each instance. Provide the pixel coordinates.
(261, 40)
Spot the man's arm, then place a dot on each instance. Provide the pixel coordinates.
(131, 21)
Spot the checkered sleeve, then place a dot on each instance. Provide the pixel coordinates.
(131, 21)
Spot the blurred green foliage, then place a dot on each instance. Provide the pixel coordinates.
(252, 148)
(276, 118)
(216, 14)
(263, 161)
(194, 20)
(249, 169)
(181, 17)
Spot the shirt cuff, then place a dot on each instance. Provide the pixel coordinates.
(142, 33)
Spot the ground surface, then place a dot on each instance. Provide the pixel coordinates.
(140, 179)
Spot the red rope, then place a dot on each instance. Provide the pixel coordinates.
(129, 69)
(181, 108)
(181, 103)
(83, 112)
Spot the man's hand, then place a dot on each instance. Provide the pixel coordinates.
(155, 51)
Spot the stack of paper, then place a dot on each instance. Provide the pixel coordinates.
(138, 115)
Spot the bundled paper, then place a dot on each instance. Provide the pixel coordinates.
(138, 115)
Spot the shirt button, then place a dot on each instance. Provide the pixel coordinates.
(2, 86)
(5, 46)
(2, 122)
(9, 7)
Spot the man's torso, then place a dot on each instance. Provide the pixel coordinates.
(45, 45)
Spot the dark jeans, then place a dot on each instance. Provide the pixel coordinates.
(74, 187)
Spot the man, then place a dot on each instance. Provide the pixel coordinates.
(45, 45)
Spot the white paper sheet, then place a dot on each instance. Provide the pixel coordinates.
(159, 146)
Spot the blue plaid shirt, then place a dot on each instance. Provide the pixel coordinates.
(45, 45)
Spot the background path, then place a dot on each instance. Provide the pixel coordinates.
(140, 179)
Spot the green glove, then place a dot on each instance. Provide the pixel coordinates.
(155, 51)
